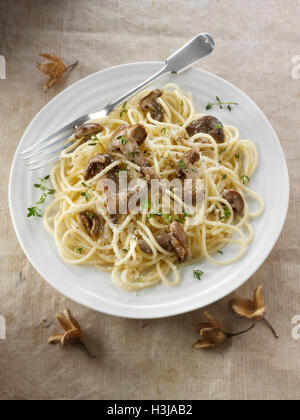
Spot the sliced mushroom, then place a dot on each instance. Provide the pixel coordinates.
(174, 241)
(91, 222)
(192, 157)
(235, 199)
(208, 125)
(144, 246)
(180, 241)
(96, 165)
(114, 144)
(86, 131)
(149, 103)
(165, 241)
(117, 200)
(149, 172)
(187, 170)
(127, 140)
(137, 133)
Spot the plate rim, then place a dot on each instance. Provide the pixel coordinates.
(117, 309)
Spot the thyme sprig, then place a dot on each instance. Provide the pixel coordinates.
(35, 210)
(95, 140)
(220, 104)
(86, 194)
(124, 109)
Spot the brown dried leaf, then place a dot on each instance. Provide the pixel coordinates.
(72, 332)
(72, 336)
(212, 334)
(259, 297)
(64, 323)
(68, 314)
(250, 309)
(55, 339)
(201, 326)
(71, 328)
(55, 69)
(212, 320)
(201, 345)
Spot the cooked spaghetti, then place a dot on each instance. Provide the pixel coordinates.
(144, 248)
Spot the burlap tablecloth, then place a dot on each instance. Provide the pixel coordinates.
(255, 45)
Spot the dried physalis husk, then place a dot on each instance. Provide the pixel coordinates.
(55, 69)
(72, 331)
(254, 310)
(212, 334)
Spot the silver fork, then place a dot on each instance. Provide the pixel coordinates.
(47, 151)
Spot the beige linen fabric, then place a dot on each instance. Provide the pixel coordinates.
(255, 45)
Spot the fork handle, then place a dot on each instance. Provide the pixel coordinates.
(196, 49)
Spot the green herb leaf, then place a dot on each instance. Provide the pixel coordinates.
(134, 153)
(124, 140)
(35, 210)
(220, 104)
(224, 176)
(238, 156)
(79, 250)
(159, 213)
(167, 217)
(86, 193)
(198, 274)
(182, 165)
(245, 178)
(95, 140)
(227, 214)
(124, 109)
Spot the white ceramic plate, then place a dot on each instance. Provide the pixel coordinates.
(95, 289)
